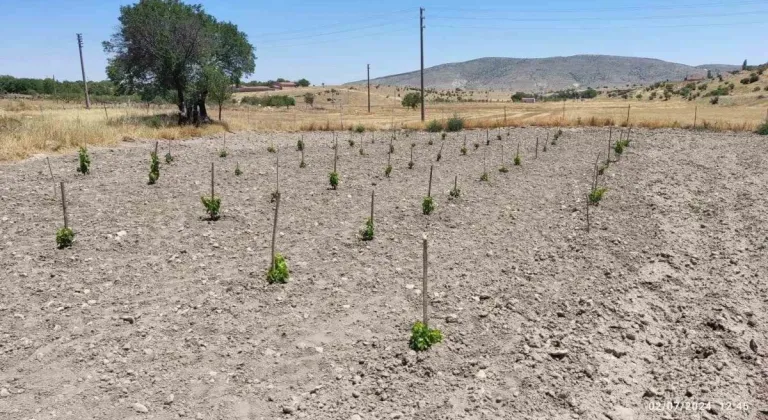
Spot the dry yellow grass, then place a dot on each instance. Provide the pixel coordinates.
(30, 127)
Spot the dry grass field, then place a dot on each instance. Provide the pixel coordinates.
(40, 126)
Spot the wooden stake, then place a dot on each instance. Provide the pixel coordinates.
(487, 139)
(610, 138)
(536, 156)
(429, 189)
(335, 151)
(587, 213)
(502, 155)
(155, 148)
(64, 205)
(212, 195)
(629, 107)
(277, 172)
(695, 114)
(53, 180)
(424, 288)
(389, 159)
(455, 181)
(373, 193)
(594, 184)
(274, 232)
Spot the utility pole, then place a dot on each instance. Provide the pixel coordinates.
(82, 67)
(369, 88)
(421, 32)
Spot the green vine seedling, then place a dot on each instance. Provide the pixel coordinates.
(333, 179)
(455, 192)
(279, 272)
(367, 231)
(442, 136)
(212, 204)
(154, 166)
(300, 144)
(428, 205)
(596, 195)
(440, 153)
(238, 172)
(64, 236)
(271, 149)
(423, 337)
(84, 161)
(302, 164)
(477, 146)
(518, 160)
(169, 156)
(391, 147)
(351, 143)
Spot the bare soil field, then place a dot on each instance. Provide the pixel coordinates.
(156, 313)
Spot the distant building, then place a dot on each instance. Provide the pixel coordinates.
(694, 78)
(283, 85)
(528, 100)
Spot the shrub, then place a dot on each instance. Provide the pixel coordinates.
(434, 126)
(212, 206)
(223, 153)
(428, 205)
(85, 161)
(455, 192)
(765, 88)
(333, 178)
(410, 165)
(423, 337)
(518, 160)
(596, 195)
(154, 168)
(271, 149)
(454, 124)
(278, 273)
(64, 237)
(463, 150)
(411, 100)
(367, 231)
(300, 145)
(715, 100)
(273, 100)
(238, 172)
(359, 128)
(762, 129)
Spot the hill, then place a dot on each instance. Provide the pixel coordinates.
(543, 74)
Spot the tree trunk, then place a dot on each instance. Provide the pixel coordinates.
(219, 112)
(183, 115)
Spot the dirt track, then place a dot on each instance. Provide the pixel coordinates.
(155, 306)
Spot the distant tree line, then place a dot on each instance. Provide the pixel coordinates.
(69, 91)
(300, 82)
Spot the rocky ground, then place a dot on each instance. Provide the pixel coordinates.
(659, 312)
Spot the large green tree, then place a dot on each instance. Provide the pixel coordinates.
(167, 45)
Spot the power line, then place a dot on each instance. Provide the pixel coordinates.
(337, 32)
(599, 28)
(606, 9)
(332, 25)
(327, 41)
(604, 18)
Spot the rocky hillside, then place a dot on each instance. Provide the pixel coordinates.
(553, 73)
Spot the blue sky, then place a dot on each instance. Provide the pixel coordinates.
(332, 41)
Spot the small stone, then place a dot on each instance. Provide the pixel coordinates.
(452, 319)
(140, 408)
(355, 417)
(481, 374)
(558, 354)
(169, 399)
(4, 393)
(651, 392)
(287, 409)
